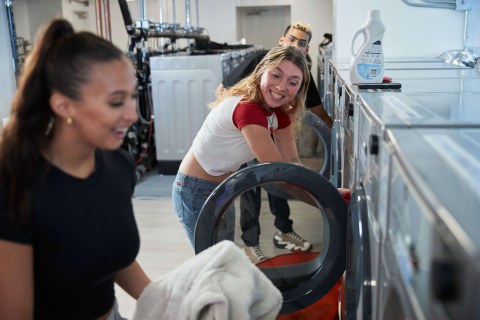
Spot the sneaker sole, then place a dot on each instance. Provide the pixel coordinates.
(279, 243)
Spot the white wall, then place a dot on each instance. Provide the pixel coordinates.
(221, 22)
(258, 28)
(82, 17)
(22, 23)
(41, 10)
(410, 31)
(219, 18)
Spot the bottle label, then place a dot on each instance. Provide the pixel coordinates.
(369, 63)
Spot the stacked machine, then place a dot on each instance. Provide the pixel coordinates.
(409, 152)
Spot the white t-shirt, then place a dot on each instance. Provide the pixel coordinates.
(220, 146)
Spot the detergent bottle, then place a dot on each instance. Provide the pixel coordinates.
(367, 63)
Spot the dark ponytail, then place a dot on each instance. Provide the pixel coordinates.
(61, 61)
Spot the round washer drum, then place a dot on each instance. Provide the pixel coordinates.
(358, 276)
(320, 189)
(336, 152)
(324, 134)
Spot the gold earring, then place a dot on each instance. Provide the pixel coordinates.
(69, 121)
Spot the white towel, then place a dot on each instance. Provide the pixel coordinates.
(218, 283)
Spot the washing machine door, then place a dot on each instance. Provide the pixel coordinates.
(336, 155)
(319, 213)
(320, 164)
(358, 292)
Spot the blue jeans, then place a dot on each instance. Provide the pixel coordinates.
(280, 209)
(250, 202)
(188, 196)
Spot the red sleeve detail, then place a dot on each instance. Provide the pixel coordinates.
(246, 113)
(283, 118)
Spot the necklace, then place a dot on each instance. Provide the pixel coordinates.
(271, 119)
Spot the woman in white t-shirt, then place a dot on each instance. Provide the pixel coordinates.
(239, 128)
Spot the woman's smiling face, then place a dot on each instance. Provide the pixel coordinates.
(107, 107)
(280, 84)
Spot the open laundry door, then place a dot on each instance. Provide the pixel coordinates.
(317, 160)
(318, 212)
(358, 273)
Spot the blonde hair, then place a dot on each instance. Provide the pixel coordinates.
(300, 25)
(249, 87)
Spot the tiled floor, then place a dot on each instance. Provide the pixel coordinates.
(163, 243)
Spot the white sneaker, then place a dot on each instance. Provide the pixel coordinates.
(255, 254)
(291, 241)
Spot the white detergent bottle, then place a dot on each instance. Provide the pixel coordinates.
(367, 64)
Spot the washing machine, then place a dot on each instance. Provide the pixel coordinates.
(342, 136)
(343, 96)
(378, 112)
(324, 56)
(408, 63)
(416, 76)
(419, 73)
(413, 81)
(444, 83)
(319, 213)
(329, 78)
(360, 285)
(417, 70)
(182, 87)
(431, 256)
(319, 164)
(330, 87)
(437, 80)
(335, 171)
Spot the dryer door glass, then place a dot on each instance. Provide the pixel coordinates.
(318, 214)
(358, 275)
(313, 144)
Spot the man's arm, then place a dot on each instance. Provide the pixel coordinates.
(320, 112)
(314, 103)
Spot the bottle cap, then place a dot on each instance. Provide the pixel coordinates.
(374, 14)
